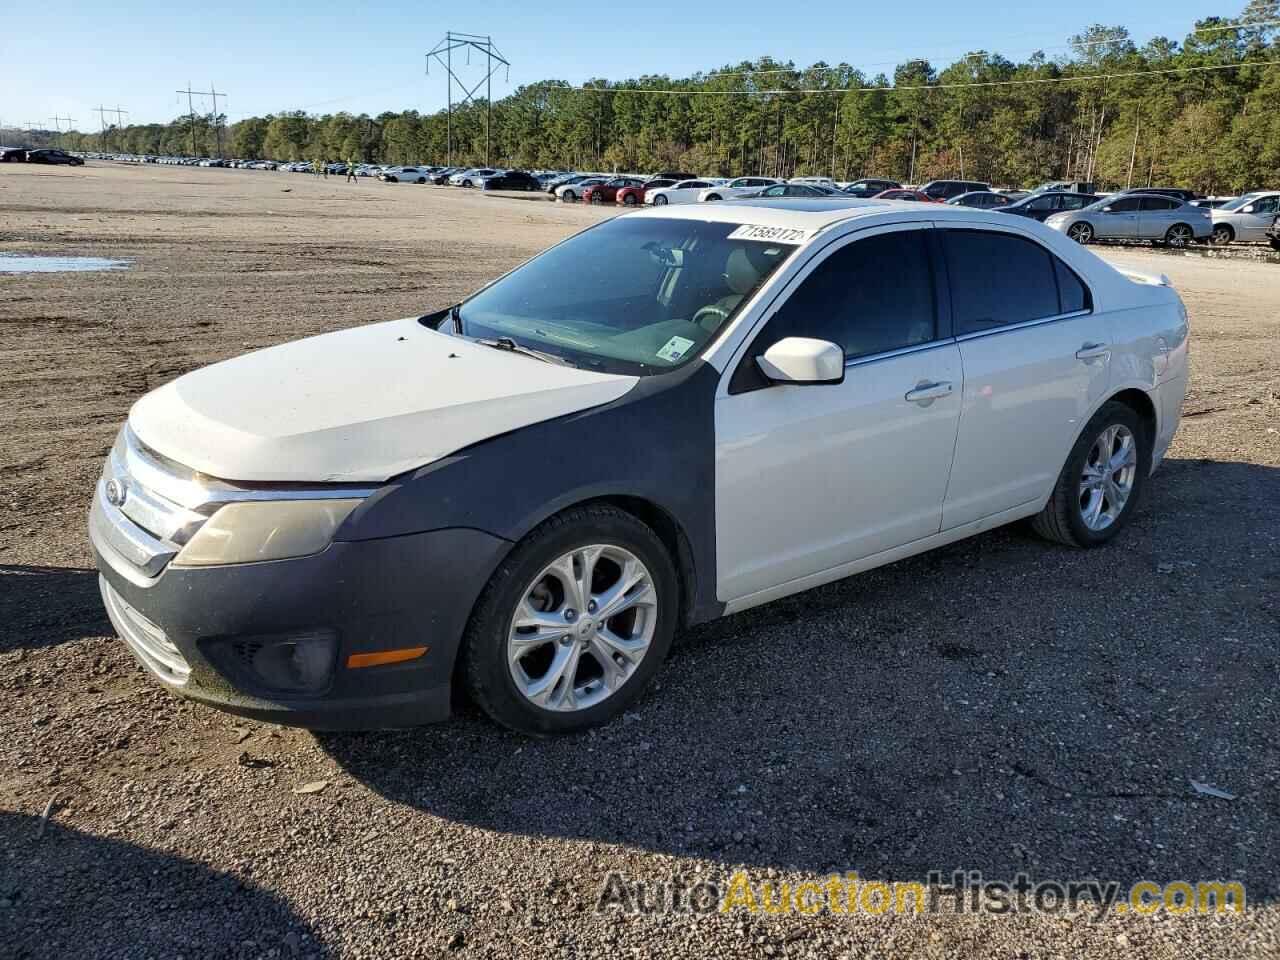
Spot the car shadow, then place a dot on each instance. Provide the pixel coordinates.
(47, 606)
(132, 901)
(1000, 705)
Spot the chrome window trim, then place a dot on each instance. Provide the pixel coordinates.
(900, 352)
(1022, 325)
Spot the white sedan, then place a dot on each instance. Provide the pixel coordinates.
(404, 175)
(571, 192)
(1246, 218)
(686, 191)
(474, 177)
(813, 396)
(739, 187)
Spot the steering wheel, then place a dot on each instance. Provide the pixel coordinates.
(711, 310)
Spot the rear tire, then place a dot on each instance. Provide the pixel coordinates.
(1085, 481)
(491, 669)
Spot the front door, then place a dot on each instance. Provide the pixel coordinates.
(1119, 219)
(811, 477)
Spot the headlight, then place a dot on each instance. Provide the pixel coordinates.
(265, 530)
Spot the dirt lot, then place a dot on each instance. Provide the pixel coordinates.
(1000, 705)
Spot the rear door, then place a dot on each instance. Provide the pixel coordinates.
(1036, 362)
(1155, 215)
(810, 477)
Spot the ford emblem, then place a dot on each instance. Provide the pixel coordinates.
(116, 492)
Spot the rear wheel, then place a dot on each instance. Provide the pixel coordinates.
(1179, 235)
(1080, 232)
(1222, 234)
(1101, 482)
(573, 624)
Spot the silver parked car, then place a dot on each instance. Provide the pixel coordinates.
(1245, 218)
(1136, 216)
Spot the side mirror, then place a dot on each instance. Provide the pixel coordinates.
(802, 360)
(1248, 209)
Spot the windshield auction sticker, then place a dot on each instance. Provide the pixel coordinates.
(755, 231)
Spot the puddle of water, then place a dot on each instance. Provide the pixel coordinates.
(22, 263)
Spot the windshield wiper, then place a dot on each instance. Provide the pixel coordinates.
(506, 343)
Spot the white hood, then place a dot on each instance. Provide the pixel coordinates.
(358, 405)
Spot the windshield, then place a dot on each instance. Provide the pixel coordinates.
(1238, 202)
(634, 295)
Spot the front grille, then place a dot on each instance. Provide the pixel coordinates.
(145, 639)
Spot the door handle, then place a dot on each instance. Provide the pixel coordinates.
(1091, 351)
(925, 392)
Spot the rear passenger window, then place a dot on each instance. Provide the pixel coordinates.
(1159, 203)
(1073, 295)
(870, 296)
(998, 279)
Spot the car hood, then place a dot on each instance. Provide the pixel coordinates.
(359, 405)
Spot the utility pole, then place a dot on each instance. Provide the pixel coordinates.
(1133, 150)
(102, 127)
(442, 52)
(191, 113)
(217, 124)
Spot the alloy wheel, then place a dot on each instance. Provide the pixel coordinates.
(1107, 480)
(582, 627)
(1222, 235)
(1080, 232)
(1179, 235)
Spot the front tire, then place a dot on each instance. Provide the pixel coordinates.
(714, 196)
(569, 196)
(1179, 235)
(629, 200)
(1222, 235)
(573, 624)
(660, 200)
(1102, 481)
(1081, 233)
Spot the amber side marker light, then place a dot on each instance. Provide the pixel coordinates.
(384, 656)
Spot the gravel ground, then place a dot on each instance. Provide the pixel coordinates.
(999, 705)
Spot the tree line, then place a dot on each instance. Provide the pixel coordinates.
(1203, 113)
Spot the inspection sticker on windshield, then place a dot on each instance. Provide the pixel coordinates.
(755, 231)
(674, 349)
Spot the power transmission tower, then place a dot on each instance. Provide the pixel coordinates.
(443, 54)
(102, 121)
(191, 113)
(57, 124)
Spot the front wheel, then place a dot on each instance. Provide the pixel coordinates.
(466, 183)
(1101, 482)
(629, 200)
(573, 624)
(1179, 235)
(568, 196)
(422, 179)
(1222, 235)
(1080, 232)
(659, 201)
(714, 196)
(596, 198)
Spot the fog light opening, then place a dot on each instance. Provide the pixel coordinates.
(297, 663)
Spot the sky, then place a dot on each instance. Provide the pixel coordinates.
(67, 59)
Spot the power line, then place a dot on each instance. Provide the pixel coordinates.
(922, 86)
(714, 75)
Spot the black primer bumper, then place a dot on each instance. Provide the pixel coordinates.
(376, 595)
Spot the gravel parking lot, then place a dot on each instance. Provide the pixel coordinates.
(1000, 705)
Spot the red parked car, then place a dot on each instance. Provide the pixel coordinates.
(905, 195)
(631, 196)
(607, 192)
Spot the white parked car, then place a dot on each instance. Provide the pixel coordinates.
(334, 532)
(474, 177)
(1246, 218)
(405, 175)
(739, 187)
(686, 191)
(570, 192)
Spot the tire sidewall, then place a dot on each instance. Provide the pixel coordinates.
(1069, 482)
(486, 640)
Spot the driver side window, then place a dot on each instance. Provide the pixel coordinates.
(870, 296)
